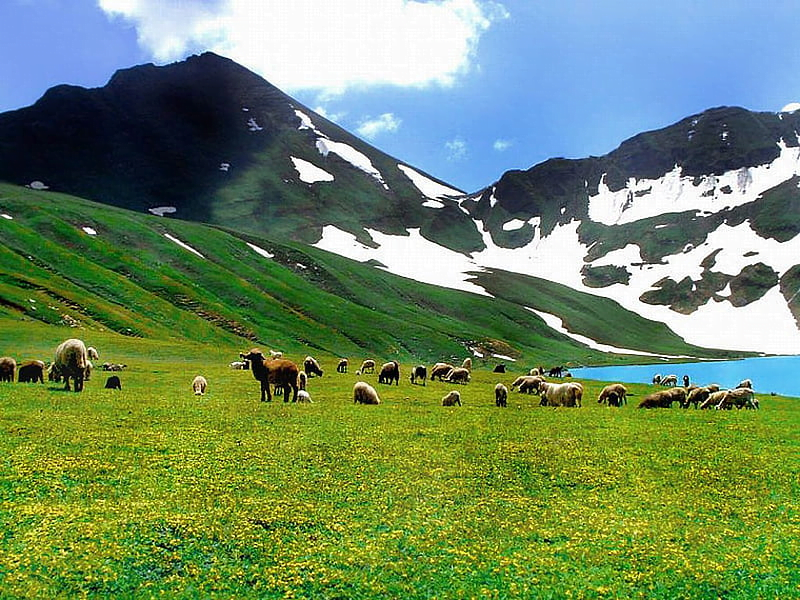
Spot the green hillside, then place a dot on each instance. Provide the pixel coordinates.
(129, 279)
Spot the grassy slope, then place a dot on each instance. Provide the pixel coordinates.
(151, 490)
(130, 279)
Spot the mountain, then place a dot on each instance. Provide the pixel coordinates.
(693, 225)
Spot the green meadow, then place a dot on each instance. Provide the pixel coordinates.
(152, 491)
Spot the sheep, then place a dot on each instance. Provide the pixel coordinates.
(441, 370)
(686, 381)
(501, 368)
(614, 395)
(714, 399)
(390, 372)
(8, 369)
(199, 384)
(342, 366)
(745, 383)
(239, 365)
(555, 371)
(419, 372)
(113, 383)
(89, 368)
(467, 364)
(368, 366)
(656, 378)
(500, 395)
(561, 394)
(527, 384)
(278, 371)
(31, 371)
(670, 381)
(107, 366)
(304, 396)
(664, 398)
(275, 354)
(364, 393)
(738, 397)
(70, 363)
(697, 396)
(459, 375)
(302, 380)
(92, 353)
(311, 366)
(452, 399)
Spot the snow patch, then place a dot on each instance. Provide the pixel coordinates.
(252, 125)
(259, 250)
(791, 107)
(224, 166)
(309, 172)
(160, 211)
(183, 245)
(38, 185)
(89, 231)
(428, 187)
(351, 155)
(8, 217)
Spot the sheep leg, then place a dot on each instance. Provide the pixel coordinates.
(294, 394)
(265, 391)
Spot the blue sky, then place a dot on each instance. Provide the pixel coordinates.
(461, 89)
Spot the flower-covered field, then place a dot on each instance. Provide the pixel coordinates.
(151, 490)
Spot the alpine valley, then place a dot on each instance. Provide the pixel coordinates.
(199, 193)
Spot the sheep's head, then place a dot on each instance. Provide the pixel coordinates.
(253, 355)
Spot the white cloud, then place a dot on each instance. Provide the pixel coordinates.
(502, 145)
(456, 149)
(386, 123)
(331, 45)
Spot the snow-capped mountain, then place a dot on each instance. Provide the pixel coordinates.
(694, 225)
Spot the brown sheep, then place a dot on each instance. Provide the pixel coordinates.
(614, 394)
(527, 384)
(452, 399)
(390, 372)
(311, 366)
(31, 371)
(441, 370)
(279, 371)
(364, 393)
(8, 368)
(714, 399)
(664, 398)
(419, 372)
(302, 380)
(500, 395)
(70, 363)
(368, 366)
(697, 396)
(459, 375)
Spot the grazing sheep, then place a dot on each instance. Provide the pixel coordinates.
(467, 364)
(614, 395)
(113, 383)
(364, 393)
(278, 371)
(92, 353)
(555, 371)
(342, 366)
(302, 380)
(89, 368)
(368, 366)
(419, 372)
(740, 397)
(452, 399)
(670, 381)
(239, 365)
(459, 375)
(304, 396)
(657, 379)
(527, 384)
(714, 399)
(199, 384)
(441, 370)
(697, 396)
(106, 366)
(500, 395)
(390, 372)
(501, 368)
(8, 369)
(664, 398)
(31, 371)
(311, 366)
(70, 363)
(561, 394)
(745, 383)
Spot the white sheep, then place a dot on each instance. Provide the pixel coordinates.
(500, 395)
(70, 362)
(452, 399)
(239, 365)
(304, 396)
(614, 394)
(199, 385)
(527, 384)
(467, 364)
(459, 375)
(561, 394)
(745, 383)
(670, 381)
(368, 366)
(364, 393)
(302, 380)
(441, 370)
(92, 353)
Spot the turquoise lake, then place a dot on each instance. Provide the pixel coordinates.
(779, 374)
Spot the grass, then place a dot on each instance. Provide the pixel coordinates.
(153, 491)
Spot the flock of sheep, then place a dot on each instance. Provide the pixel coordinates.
(72, 361)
